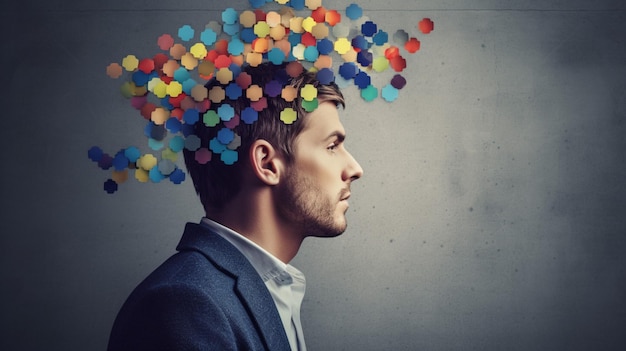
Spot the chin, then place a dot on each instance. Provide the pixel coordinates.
(328, 234)
(338, 228)
(330, 225)
(329, 230)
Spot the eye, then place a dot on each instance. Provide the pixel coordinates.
(332, 147)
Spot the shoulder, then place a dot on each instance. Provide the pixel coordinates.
(186, 303)
(205, 297)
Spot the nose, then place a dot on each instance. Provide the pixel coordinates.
(353, 170)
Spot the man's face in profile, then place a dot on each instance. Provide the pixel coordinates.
(315, 193)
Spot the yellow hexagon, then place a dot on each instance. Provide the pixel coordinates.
(261, 29)
(174, 89)
(160, 89)
(308, 92)
(288, 115)
(342, 46)
(198, 50)
(146, 162)
(308, 24)
(141, 175)
(130, 62)
(152, 83)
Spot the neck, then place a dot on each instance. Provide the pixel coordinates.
(255, 216)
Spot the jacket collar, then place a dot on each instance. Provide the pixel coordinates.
(249, 285)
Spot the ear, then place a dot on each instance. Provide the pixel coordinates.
(265, 162)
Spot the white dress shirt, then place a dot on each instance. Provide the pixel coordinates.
(285, 283)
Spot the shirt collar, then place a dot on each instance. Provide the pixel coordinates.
(267, 265)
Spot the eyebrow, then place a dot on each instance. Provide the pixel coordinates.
(336, 134)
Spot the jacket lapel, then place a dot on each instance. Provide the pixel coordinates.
(250, 287)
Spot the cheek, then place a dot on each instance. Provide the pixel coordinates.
(322, 168)
(327, 178)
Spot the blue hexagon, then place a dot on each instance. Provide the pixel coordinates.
(297, 4)
(178, 176)
(191, 116)
(354, 12)
(362, 80)
(369, 28)
(348, 70)
(276, 56)
(110, 186)
(249, 115)
(185, 33)
(229, 157)
(225, 136)
(216, 146)
(154, 175)
(173, 125)
(226, 112)
(233, 91)
(95, 153)
(230, 16)
(325, 76)
(381, 38)
(235, 47)
(120, 161)
(177, 143)
(325, 46)
(132, 153)
(208, 37)
(389, 93)
(181, 74)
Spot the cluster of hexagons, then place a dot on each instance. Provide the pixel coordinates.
(168, 88)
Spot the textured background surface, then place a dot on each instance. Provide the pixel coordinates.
(491, 216)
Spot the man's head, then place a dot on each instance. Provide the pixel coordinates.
(317, 184)
(217, 183)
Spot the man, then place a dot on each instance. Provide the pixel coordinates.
(230, 286)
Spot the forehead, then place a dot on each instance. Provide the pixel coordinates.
(322, 122)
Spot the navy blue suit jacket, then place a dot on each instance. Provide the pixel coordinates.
(205, 297)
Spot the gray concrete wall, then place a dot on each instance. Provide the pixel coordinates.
(491, 216)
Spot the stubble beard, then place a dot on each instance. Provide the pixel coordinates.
(305, 205)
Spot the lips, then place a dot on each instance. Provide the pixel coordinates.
(344, 195)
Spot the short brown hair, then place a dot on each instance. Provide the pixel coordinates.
(215, 182)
